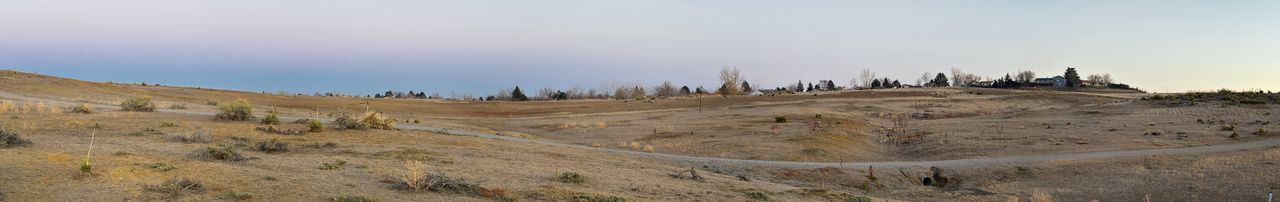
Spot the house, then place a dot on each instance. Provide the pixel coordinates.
(984, 83)
(762, 92)
(1056, 82)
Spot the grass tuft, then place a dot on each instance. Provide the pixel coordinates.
(176, 188)
(218, 153)
(199, 136)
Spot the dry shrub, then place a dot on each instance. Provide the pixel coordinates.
(1011, 199)
(271, 118)
(601, 125)
(178, 106)
(416, 178)
(351, 199)
(216, 153)
(238, 110)
(8, 106)
(1040, 197)
(369, 120)
(176, 188)
(8, 138)
(199, 136)
(570, 177)
(273, 146)
(314, 126)
(648, 148)
(82, 109)
(635, 146)
(138, 104)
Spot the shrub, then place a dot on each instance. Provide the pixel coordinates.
(178, 106)
(416, 178)
(8, 138)
(591, 198)
(238, 110)
(337, 164)
(138, 104)
(161, 167)
(273, 146)
(315, 126)
(176, 188)
(168, 124)
(369, 120)
(1228, 128)
(570, 177)
(271, 119)
(758, 196)
(351, 199)
(1040, 197)
(780, 119)
(83, 109)
(199, 136)
(218, 153)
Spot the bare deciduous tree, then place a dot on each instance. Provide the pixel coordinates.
(729, 79)
(1025, 76)
(924, 78)
(867, 76)
(664, 90)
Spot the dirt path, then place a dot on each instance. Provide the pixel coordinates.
(696, 160)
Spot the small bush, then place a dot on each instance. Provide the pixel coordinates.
(241, 196)
(1227, 128)
(416, 178)
(1040, 197)
(592, 198)
(178, 106)
(273, 146)
(199, 136)
(161, 167)
(351, 199)
(761, 196)
(82, 109)
(337, 164)
(780, 119)
(168, 124)
(8, 138)
(238, 110)
(218, 153)
(369, 120)
(570, 177)
(271, 119)
(138, 104)
(315, 126)
(176, 188)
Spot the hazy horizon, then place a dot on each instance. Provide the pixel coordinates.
(479, 47)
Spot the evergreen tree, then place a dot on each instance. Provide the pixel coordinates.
(746, 87)
(1073, 78)
(700, 91)
(875, 83)
(517, 95)
(896, 84)
(940, 80)
(831, 85)
(684, 90)
(799, 86)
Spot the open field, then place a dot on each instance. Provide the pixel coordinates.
(990, 144)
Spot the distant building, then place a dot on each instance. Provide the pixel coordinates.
(984, 83)
(1056, 82)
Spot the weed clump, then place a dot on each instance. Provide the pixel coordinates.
(199, 136)
(761, 196)
(271, 118)
(218, 153)
(138, 104)
(351, 199)
(369, 120)
(82, 109)
(780, 119)
(592, 198)
(238, 110)
(176, 188)
(337, 164)
(273, 146)
(161, 167)
(178, 106)
(315, 126)
(571, 177)
(8, 138)
(416, 178)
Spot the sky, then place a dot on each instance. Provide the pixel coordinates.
(480, 46)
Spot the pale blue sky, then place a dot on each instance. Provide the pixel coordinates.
(479, 46)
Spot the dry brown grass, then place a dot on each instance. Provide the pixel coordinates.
(1040, 197)
(176, 188)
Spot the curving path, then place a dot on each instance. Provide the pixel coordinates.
(696, 160)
